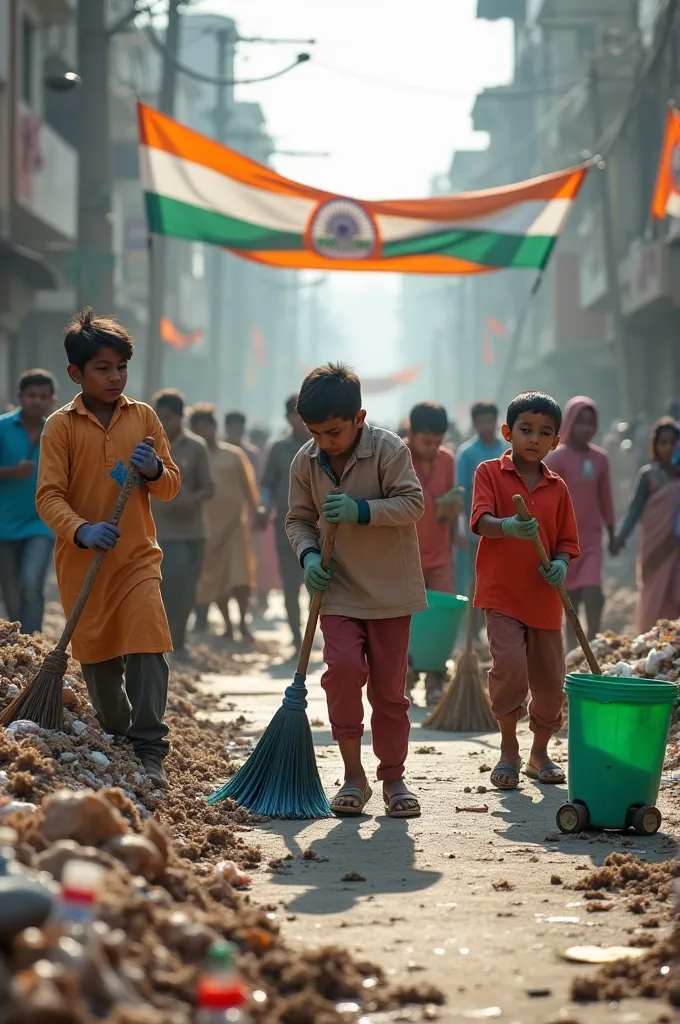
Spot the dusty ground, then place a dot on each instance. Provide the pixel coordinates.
(461, 899)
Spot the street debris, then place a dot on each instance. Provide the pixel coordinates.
(601, 954)
(478, 809)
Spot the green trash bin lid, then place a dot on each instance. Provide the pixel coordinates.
(621, 689)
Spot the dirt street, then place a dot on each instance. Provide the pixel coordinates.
(479, 904)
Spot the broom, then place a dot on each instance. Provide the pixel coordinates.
(280, 779)
(523, 513)
(40, 701)
(465, 706)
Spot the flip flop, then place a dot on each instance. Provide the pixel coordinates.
(396, 798)
(542, 774)
(508, 769)
(346, 810)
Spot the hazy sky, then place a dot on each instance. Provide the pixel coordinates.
(383, 142)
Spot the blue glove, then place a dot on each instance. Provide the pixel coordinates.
(100, 537)
(316, 577)
(339, 508)
(556, 574)
(146, 461)
(521, 529)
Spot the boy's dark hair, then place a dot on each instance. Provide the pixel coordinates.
(534, 401)
(329, 392)
(234, 417)
(202, 412)
(169, 398)
(86, 334)
(291, 404)
(483, 408)
(665, 423)
(37, 378)
(428, 418)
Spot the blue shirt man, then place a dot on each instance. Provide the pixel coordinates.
(26, 544)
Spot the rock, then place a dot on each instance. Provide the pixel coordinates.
(139, 855)
(12, 691)
(24, 903)
(17, 805)
(159, 837)
(78, 727)
(84, 816)
(67, 756)
(21, 728)
(3, 778)
(54, 857)
(98, 758)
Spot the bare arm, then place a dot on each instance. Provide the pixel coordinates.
(490, 526)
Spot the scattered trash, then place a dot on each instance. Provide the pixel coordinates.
(352, 876)
(485, 767)
(601, 954)
(479, 809)
(487, 1013)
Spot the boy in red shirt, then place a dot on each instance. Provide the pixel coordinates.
(436, 470)
(523, 611)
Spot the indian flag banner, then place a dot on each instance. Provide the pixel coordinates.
(200, 190)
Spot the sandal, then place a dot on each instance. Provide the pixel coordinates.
(351, 810)
(405, 812)
(550, 774)
(506, 769)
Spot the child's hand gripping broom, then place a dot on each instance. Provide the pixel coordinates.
(280, 779)
(465, 705)
(523, 513)
(40, 701)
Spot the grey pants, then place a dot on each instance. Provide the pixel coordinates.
(24, 565)
(129, 696)
(292, 578)
(182, 565)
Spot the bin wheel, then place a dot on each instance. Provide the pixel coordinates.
(647, 820)
(573, 818)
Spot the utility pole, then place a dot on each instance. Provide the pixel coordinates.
(610, 255)
(95, 258)
(157, 243)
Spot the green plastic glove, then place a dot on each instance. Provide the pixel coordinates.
(521, 529)
(556, 574)
(339, 508)
(316, 577)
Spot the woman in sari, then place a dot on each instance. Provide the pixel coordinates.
(656, 505)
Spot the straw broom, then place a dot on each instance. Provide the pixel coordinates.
(465, 706)
(280, 779)
(41, 700)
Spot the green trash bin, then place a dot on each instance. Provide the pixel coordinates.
(618, 730)
(434, 631)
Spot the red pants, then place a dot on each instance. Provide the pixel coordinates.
(526, 661)
(440, 578)
(373, 652)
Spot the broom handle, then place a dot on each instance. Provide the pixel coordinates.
(523, 513)
(470, 636)
(315, 604)
(86, 589)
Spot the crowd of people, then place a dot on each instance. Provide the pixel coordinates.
(222, 522)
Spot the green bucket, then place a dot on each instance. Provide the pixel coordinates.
(618, 730)
(434, 631)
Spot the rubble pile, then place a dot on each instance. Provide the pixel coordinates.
(651, 655)
(155, 920)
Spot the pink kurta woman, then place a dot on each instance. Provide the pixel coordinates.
(584, 467)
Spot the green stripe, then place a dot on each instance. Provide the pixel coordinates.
(487, 248)
(182, 220)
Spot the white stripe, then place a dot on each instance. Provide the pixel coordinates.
(176, 178)
(191, 183)
(531, 217)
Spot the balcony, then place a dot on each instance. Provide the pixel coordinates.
(46, 194)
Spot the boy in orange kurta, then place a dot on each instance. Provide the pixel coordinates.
(122, 637)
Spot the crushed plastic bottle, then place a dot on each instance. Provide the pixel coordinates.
(221, 997)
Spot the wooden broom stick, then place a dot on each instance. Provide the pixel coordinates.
(523, 513)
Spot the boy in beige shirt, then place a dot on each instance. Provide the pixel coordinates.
(374, 583)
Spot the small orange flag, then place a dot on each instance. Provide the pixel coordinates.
(171, 335)
(666, 202)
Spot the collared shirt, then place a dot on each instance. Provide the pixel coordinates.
(185, 522)
(19, 518)
(276, 477)
(434, 538)
(470, 455)
(508, 579)
(82, 468)
(376, 563)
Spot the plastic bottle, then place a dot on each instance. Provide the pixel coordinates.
(80, 881)
(221, 995)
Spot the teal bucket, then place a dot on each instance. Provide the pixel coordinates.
(434, 631)
(618, 730)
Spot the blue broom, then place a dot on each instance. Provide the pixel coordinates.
(280, 779)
